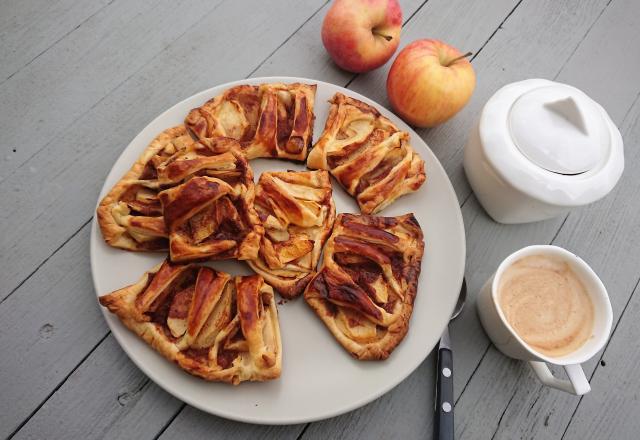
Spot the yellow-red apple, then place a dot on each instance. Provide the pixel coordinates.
(361, 35)
(429, 82)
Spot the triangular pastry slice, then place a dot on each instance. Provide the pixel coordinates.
(130, 215)
(297, 213)
(370, 157)
(269, 120)
(365, 289)
(211, 324)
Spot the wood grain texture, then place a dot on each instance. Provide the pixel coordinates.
(195, 424)
(29, 29)
(612, 413)
(48, 328)
(45, 98)
(127, 405)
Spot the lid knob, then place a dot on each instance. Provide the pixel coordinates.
(560, 129)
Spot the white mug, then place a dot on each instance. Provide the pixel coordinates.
(508, 342)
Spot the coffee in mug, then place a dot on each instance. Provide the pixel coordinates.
(547, 304)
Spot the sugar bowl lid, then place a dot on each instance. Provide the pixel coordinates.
(552, 142)
(560, 129)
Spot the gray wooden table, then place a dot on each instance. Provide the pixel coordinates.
(80, 78)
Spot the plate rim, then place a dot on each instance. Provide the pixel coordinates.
(232, 415)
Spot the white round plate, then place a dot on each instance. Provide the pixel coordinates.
(319, 378)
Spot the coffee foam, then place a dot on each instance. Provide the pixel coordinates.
(546, 304)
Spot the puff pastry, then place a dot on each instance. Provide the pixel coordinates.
(210, 214)
(130, 215)
(212, 325)
(269, 120)
(367, 154)
(207, 218)
(297, 212)
(365, 289)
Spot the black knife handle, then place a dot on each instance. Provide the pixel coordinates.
(443, 424)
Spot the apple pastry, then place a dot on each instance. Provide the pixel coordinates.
(209, 214)
(269, 120)
(211, 324)
(367, 154)
(297, 212)
(365, 289)
(207, 218)
(130, 215)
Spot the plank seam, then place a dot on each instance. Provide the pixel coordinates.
(286, 40)
(55, 43)
(473, 373)
(515, 391)
(566, 217)
(615, 328)
(55, 251)
(496, 31)
(303, 431)
(62, 382)
(170, 421)
(575, 49)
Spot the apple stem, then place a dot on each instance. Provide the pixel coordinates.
(386, 37)
(468, 54)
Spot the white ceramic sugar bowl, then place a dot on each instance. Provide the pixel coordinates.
(539, 149)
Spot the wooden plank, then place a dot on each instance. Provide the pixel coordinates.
(43, 305)
(554, 29)
(47, 96)
(605, 234)
(613, 411)
(47, 329)
(195, 424)
(28, 29)
(88, 147)
(123, 404)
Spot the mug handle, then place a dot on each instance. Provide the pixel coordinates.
(577, 383)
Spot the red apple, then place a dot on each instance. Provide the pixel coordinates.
(361, 35)
(429, 82)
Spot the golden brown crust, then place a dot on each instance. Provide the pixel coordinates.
(365, 289)
(367, 154)
(211, 325)
(208, 192)
(208, 219)
(297, 212)
(269, 120)
(130, 216)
